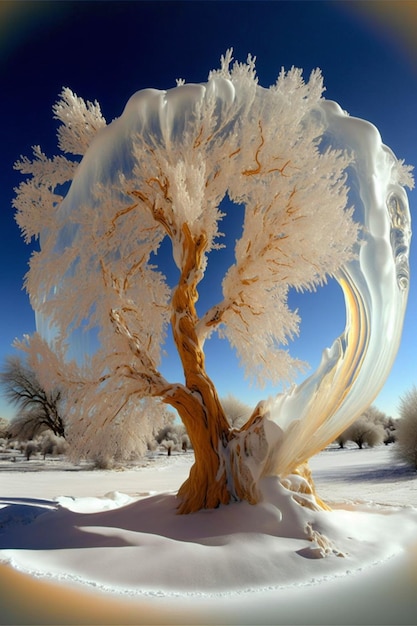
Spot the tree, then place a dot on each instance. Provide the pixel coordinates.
(365, 432)
(369, 429)
(160, 172)
(173, 437)
(376, 416)
(30, 447)
(406, 444)
(38, 409)
(236, 411)
(343, 438)
(4, 428)
(52, 444)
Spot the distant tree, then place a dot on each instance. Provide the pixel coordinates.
(237, 412)
(406, 444)
(368, 429)
(391, 423)
(376, 416)
(30, 448)
(365, 432)
(390, 436)
(173, 437)
(390, 427)
(38, 409)
(343, 438)
(4, 428)
(52, 445)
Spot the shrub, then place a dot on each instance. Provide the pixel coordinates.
(51, 444)
(365, 432)
(368, 430)
(103, 462)
(406, 444)
(31, 447)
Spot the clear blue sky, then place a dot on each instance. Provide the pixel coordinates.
(109, 50)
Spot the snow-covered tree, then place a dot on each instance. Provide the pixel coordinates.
(160, 172)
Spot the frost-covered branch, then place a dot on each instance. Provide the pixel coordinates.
(81, 121)
(37, 198)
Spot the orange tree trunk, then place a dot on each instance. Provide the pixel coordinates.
(197, 403)
(207, 485)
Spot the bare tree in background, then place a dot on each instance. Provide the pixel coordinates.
(37, 409)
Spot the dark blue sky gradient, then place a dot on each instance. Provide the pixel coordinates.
(106, 51)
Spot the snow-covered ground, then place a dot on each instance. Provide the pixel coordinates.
(82, 546)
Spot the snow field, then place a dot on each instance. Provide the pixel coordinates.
(116, 534)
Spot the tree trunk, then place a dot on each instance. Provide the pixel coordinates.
(197, 403)
(228, 463)
(220, 473)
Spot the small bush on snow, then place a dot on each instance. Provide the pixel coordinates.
(52, 444)
(103, 462)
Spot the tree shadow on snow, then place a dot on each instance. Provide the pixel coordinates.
(28, 524)
(373, 473)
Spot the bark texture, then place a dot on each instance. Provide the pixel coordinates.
(198, 404)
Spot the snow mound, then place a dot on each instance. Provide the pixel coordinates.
(141, 546)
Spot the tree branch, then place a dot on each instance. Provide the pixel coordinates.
(150, 375)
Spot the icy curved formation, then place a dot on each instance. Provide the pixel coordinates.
(375, 287)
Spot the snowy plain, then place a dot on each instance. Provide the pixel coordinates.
(83, 546)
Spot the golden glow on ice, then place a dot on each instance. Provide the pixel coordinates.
(375, 287)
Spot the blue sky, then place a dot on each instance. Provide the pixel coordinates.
(109, 50)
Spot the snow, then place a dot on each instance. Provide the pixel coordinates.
(84, 546)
